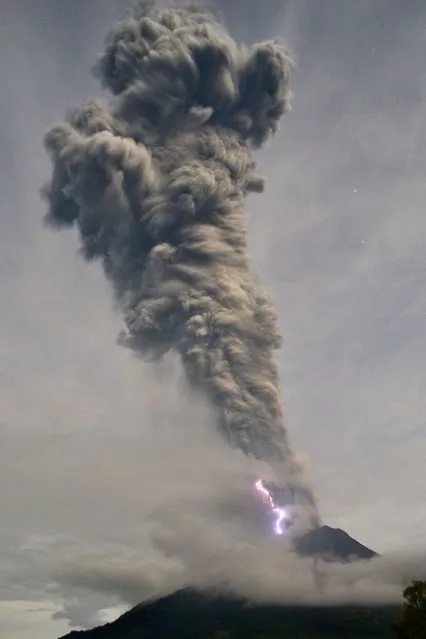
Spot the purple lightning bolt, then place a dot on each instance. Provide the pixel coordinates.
(267, 498)
(281, 516)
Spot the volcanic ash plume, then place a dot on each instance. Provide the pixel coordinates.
(155, 181)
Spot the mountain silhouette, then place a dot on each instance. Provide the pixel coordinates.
(332, 544)
(188, 614)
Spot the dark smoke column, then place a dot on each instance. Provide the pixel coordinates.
(155, 181)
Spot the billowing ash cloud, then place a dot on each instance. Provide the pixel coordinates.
(155, 181)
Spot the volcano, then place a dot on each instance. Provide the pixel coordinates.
(332, 544)
(188, 614)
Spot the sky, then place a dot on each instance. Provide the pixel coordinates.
(92, 440)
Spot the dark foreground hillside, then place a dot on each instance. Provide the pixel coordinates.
(190, 615)
(187, 614)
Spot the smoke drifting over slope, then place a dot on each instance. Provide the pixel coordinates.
(155, 181)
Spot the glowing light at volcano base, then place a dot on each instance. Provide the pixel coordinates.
(267, 498)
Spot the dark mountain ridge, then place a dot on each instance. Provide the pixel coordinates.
(187, 614)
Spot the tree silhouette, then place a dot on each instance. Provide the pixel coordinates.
(412, 621)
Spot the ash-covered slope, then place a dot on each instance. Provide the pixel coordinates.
(188, 614)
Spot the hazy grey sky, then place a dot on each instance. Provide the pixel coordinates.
(88, 442)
